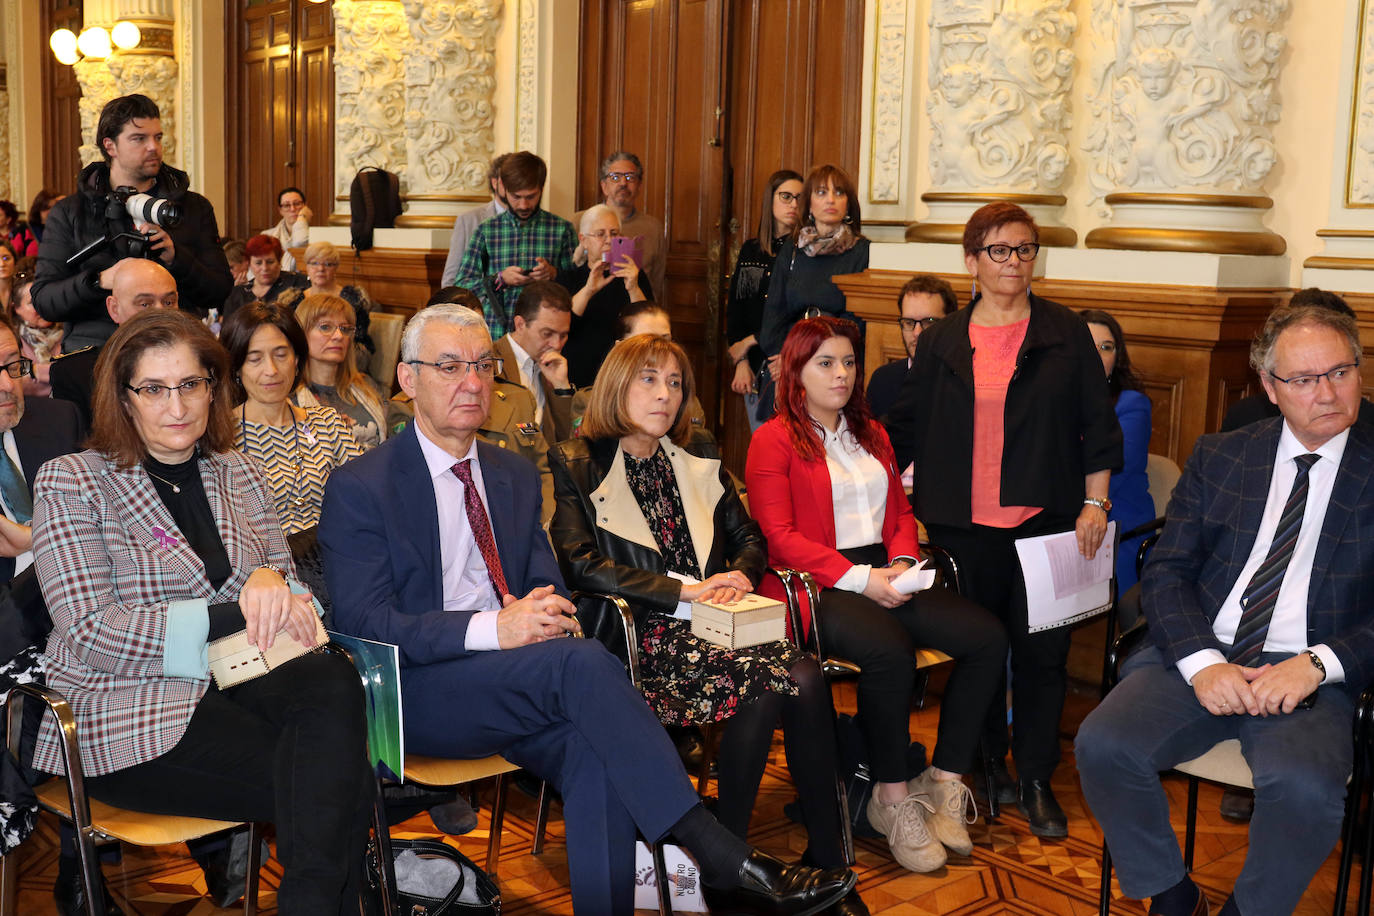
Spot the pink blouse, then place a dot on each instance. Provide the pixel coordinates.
(994, 364)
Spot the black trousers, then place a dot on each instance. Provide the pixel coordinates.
(288, 747)
(883, 643)
(992, 577)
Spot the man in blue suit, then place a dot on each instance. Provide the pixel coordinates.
(1260, 604)
(432, 541)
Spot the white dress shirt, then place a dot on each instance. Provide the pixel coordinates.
(1288, 625)
(858, 492)
(530, 377)
(467, 584)
(24, 560)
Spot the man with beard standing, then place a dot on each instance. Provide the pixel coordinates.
(622, 176)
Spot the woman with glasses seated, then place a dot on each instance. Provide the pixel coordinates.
(331, 373)
(162, 537)
(1013, 435)
(322, 268)
(297, 447)
(269, 282)
(599, 291)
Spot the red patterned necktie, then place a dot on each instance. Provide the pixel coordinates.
(481, 528)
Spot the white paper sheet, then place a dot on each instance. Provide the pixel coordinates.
(916, 579)
(1061, 586)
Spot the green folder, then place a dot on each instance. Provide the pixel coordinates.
(379, 666)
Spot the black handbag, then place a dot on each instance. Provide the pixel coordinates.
(488, 895)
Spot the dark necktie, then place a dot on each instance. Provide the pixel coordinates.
(15, 491)
(481, 528)
(1262, 593)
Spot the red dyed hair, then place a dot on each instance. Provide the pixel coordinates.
(803, 431)
(994, 216)
(260, 246)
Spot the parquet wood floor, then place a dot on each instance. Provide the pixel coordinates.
(1010, 871)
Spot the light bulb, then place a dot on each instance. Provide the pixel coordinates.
(94, 43)
(126, 35)
(63, 44)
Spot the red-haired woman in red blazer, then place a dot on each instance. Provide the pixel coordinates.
(825, 488)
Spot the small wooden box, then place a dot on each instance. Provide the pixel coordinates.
(750, 621)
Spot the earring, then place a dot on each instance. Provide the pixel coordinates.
(848, 220)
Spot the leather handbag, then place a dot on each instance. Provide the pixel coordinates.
(474, 894)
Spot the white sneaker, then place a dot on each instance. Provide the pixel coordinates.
(908, 834)
(954, 810)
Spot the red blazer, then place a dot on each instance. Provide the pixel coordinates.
(790, 499)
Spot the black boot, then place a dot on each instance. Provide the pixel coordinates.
(69, 892)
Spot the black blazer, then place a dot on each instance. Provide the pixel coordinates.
(594, 557)
(48, 428)
(72, 376)
(884, 386)
(1059, 422)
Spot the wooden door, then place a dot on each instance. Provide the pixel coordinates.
(61, 113)
(282, 105)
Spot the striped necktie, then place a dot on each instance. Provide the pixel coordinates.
(1262, 593)
(481, 528)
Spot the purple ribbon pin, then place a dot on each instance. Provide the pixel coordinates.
(164, 539)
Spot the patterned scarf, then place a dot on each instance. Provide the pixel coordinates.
(813, 243)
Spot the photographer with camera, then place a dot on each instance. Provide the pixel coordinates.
(130, 205)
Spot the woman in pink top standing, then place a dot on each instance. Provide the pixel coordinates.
(1013, 436)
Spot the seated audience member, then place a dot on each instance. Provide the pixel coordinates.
(135, 284)
(1129, 493)
(297, 447)
(532, 355)
(521, 245)
(465, 223)
(622, 178)
(599, 291)
(9, 266)
(268, 282)
(856, 540)
(646, 510)
(778, 216)
(9, 220)
(432, 542)
(236, 253)
(131, 622)
(923, 300)
(331, 375)
(40, 339)
(26, 240)
(293, 229)
(322, 268)
(1259, 602)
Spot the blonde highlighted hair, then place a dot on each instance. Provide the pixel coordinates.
(607, 416)
(351, 384)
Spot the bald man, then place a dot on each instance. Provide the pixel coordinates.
(135, 284)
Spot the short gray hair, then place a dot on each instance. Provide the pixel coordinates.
(444, 313)
(615, 157)
(593, 212)
(1291, 316)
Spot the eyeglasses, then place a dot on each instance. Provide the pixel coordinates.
(454, 370)
(1340, 375)
(625, 177)
(604, 234)
(321, 263)
(193, 389)
(788, 197)
(1002, 253)
(1107, 346)
(328, 328)
(911, 324)
(19, 368)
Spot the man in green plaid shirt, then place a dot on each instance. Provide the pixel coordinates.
(516, 247)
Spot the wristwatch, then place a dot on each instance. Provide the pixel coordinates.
(1316, 662)
(1102, 503)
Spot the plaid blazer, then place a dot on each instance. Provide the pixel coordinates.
(108, 579)
(1212, 522)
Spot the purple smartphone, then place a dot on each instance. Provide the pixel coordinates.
(622, 246)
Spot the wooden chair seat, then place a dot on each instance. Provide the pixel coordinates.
(441, 771)
(929, 658)
(136, 827)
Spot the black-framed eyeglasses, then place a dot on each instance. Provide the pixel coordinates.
(1002, 253)
(19, 368)
(912, 324)
(193, 389)
(626, 177)
(456, 369)
(1107, 346)
(1340, 375)
(788, 197)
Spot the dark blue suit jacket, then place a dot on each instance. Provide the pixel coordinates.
(1213, 520)
(885, 384)
(47, 429)
(379, 530)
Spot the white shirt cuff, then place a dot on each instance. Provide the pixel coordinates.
(1335, 672)
(482, 635)
(856, 579)
(1190, 665)
(684, 608)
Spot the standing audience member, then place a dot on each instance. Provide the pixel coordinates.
(778, 215)
(922, 301)
(331, 375)
(131, 623)
(465, 223)
(135, 284)
(1013, 435)
(293, 229)
(297, 447)
(267, 281)
(622, 179)
(825, 489)
(40, 339)
(600, 290)
(1260, 608)
(532, 355)
(432, 542)
(517, 247)
(27, 238)
(129, 135)
(1129, 493)
(322, 269)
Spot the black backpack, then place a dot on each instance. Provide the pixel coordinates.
(374, 203)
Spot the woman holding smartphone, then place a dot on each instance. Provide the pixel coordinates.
(600, 289)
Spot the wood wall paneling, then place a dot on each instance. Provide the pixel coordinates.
(61, 105)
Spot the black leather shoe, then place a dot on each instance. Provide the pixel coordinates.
(1238, 805)
(226, 868)
(1001, 780)
(1038, 804)
(69, 892)
(455, 818)
(851, 905)
(770, 887)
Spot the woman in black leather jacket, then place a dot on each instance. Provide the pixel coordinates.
(649, 514)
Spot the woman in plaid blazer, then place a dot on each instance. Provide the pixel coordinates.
(153, 542)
